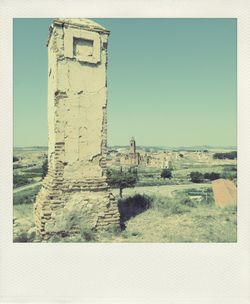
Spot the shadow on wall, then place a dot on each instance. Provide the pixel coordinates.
(132, 206)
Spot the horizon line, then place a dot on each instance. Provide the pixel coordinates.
(160, 146)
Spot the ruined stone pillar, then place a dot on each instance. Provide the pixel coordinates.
(75, 186)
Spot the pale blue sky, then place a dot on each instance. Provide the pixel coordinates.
(171, 82)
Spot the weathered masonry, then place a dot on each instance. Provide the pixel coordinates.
(77, 102)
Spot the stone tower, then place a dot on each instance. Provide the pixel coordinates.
(132, 146)
(77, 102)
(134, 157)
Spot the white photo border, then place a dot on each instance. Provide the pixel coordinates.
(125, 273)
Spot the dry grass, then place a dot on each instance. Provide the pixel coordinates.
(168, 220)
(201, 225)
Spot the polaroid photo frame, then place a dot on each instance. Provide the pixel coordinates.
(123, 272)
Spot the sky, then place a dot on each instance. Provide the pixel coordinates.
(171, 82)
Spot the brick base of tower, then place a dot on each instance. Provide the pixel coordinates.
(62, 208)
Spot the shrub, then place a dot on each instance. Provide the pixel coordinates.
(133, 206)
(212, 176)
(166, 173)
(196, 177)
(228, 155)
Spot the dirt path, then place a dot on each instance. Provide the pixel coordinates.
(160, 190)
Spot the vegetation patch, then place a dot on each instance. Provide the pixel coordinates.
(167, 205)
(225, 155)
(176, 218)
(26, 196)
(133, 206)
(121, 179)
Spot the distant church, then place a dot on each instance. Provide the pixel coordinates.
(133, 156)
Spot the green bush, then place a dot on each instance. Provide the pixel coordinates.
(166, 173)
(212, 176)
(225, 155)
(132, 206)
(196, 177)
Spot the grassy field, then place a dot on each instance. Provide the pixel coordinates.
(200, 225)
(170, 213)
(182, 169)
(165, 190)
(169, 217)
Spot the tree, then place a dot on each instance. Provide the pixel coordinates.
(166, 173)
(212, 176)
(196, 177)
(45, 167)
(121, 179)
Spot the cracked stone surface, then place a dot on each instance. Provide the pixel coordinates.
(77, 118)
